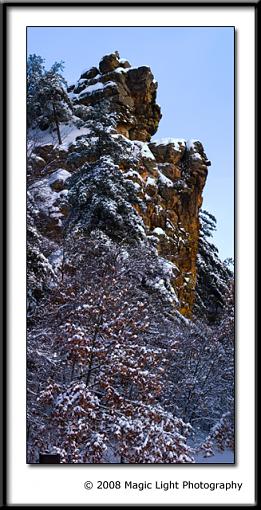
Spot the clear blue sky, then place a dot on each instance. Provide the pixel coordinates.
(194, 67)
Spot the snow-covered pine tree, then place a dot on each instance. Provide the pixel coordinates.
(213, 276)
(48, 103)
(35, 71)
(39, 269)
(53, 95)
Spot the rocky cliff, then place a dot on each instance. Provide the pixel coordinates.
(130, 91)
(109, 175)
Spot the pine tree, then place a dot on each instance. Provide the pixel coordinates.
(35, 73)
(48, 103)
(54, 99)
(213, 275)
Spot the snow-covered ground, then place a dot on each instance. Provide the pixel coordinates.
(68, 132)
(226, 457)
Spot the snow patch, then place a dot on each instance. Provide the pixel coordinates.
(134, 174)
(225, 457)
(145, 152)
(164, 180)
(60, 174)
(97, 86)
(190, 144)
(159, 231)
(69, 133)
(151, 182)
(196, 156)
(46, 198)
(178, 143)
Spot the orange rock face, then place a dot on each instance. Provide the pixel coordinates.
(131, 92)
(172, 172)
(171, 185)
(168, 175)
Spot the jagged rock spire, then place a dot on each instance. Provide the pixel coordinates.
(130, 90)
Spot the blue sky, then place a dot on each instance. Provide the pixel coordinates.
(194, 67)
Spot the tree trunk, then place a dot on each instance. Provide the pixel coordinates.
(57, 125)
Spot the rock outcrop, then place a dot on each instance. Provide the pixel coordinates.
(131, 92)
(115, 107)
(174, 197)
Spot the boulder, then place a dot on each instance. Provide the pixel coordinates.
(109, 63)
(90, 73)
(131, 92)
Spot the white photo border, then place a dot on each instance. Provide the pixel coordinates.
(58, 485)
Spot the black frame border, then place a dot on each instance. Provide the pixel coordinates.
(4, 7)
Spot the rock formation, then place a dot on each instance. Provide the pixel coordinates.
(131, 92)
(114, 116)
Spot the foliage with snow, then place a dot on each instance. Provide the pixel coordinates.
(214, 276)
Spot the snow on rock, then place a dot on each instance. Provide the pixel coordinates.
(164, 180)
(60, 174)
(190, 144)
(136, 105)
(145, 152)
(134, 174)
(159, 231)
(90, 89)
(124, 61)
(177, 142)
(151, 182)
(196, 155)
(48, 194)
